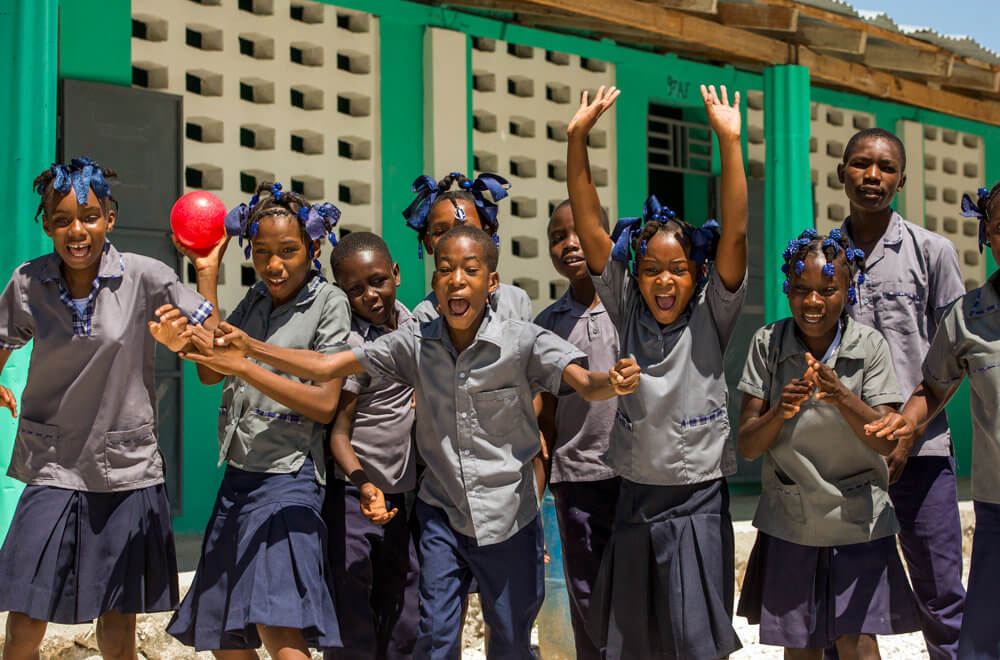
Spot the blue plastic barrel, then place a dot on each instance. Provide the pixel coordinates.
(555, 632)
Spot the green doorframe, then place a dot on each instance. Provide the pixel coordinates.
(28, 40)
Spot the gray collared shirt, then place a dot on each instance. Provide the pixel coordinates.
(582, 427)
(88, 411)
(967, 343)
(382, 432)
(912, 275)
(674, 429)
(259, 434)
(476, 425)
(509, 302)
(820, 484)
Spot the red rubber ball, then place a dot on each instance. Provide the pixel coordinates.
(198, 220)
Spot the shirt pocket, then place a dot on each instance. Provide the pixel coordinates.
(899, 308)
(863, 496)
(984, 375)
(132, 456)
(788, 500)
(37, 447)
(496, 410)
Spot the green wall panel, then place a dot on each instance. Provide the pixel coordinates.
(95, 41)
(28, 119)
(201, 474)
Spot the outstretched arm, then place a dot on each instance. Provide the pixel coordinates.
(731, 255)
(623, 378)
(583, 197)
(907, 425)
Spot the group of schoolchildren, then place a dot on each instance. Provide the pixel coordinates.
(383, 464)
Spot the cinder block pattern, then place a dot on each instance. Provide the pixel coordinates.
(272, 88)
(522, 100)
(953, 164)
(756, 146)
(831, 128)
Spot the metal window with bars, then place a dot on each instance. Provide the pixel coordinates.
(679, 146)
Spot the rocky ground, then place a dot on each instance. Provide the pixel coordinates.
(80, 643)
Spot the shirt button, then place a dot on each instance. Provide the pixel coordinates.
(466, 452)
(461, 375)
(243, 388)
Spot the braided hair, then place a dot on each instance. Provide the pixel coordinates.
(811, 242)
(316, 220)
(81, 176)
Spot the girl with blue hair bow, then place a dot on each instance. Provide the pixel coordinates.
(666, 584)
(91, 535)
(262, 577)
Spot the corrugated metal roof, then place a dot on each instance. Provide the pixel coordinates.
(960, 44)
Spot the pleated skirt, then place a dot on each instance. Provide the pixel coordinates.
(263, 562)
(666, 584)
(71, 556)
(808, 597)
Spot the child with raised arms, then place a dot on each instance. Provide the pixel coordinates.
(967, 345)
(91, 535)
(666, 584)
(913, 276)
(474, 375)
(263, 575)
(456, 200)
(372, 553)
(576, 431)
(824, 570)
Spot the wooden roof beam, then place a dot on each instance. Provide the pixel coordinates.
(699, 6)
(833, 38)
(851, 75)
(905, 60)
(687, 28)
(759, 17)
(978, 80)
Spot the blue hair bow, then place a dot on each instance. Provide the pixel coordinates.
(627, 228)
(427, 192)
(704, 240)
(82, 175)
(970, 209)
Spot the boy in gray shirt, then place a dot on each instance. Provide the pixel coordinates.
(474, 377)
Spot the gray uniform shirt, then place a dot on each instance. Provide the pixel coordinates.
(509, 302)
(582, 427)
(968, 343)
(476, 425)
(88, 411)
(674, 429)
(382, 433)
(912, 276)
(820, 484)
(259, 434)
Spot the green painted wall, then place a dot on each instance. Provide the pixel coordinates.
(95, 41)
(28, 127)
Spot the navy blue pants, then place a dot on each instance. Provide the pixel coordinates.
(980, 639)
(926, 502)
(511, 581)
(586, 514)
(375, 574)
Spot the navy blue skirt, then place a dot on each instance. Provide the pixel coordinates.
(71, 556)
(807, 597)
(263, 562)
(980, 636)
(667, 579)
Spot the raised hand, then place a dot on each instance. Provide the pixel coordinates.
(625, 376)
(210, 260)
(724, 118)
(590, 111)
(373, 505)
(169, 328)
(8, 401)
